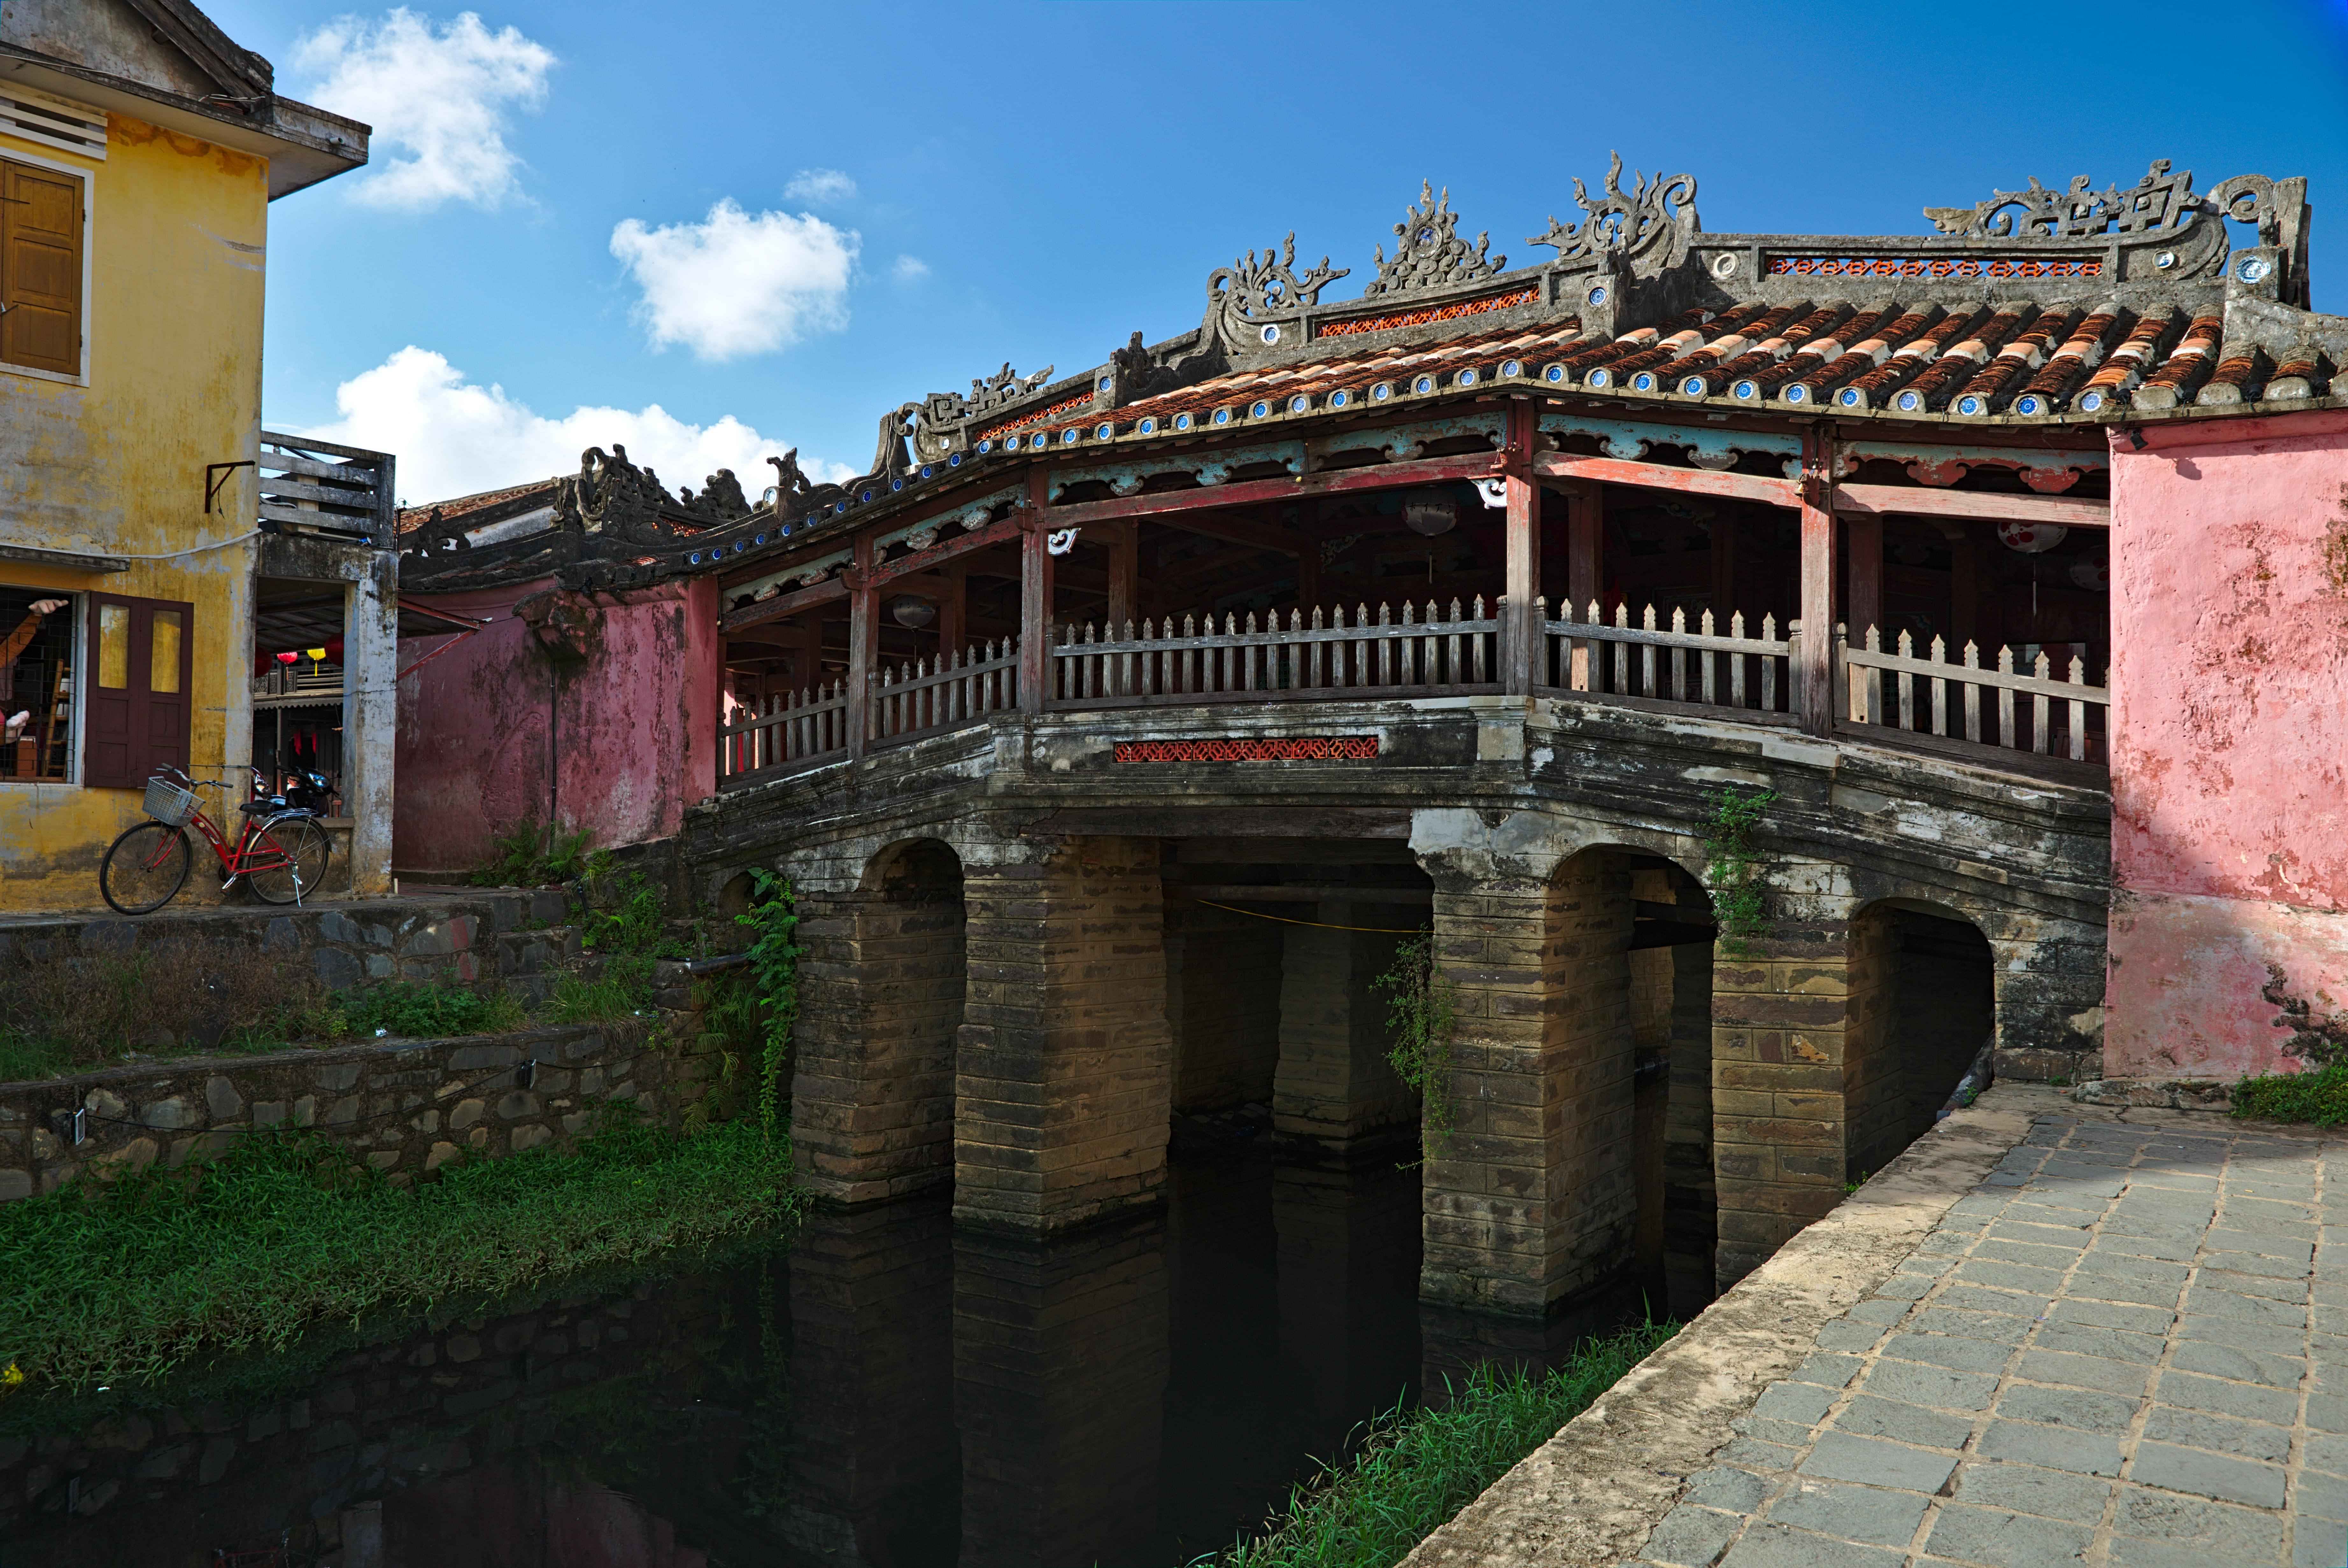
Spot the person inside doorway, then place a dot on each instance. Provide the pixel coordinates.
(16, 643)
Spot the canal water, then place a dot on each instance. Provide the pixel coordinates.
(878, 1390)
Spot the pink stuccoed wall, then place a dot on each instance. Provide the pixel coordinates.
(2230, 739)
(493, 733)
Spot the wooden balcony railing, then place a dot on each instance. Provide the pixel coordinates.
(1899, 691)
(1434, 655)
(319, 488)
(787, 729)
(1586, 657)
(1960, 709)
(913, 700)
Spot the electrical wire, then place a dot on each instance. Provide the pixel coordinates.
(1322, 924)
(190, 550)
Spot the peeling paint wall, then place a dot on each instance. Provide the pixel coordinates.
(615, 733)
(173, 320)
(2230, 739)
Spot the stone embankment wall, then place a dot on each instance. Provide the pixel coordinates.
(407, 1107)
(514, 937)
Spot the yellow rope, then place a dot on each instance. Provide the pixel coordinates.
(1254, 914)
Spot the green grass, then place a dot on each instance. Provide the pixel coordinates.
(1414, 1470)
(122, 1282)
(420, 1010)
(2319, 1096)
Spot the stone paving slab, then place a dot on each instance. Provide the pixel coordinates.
(2127, 1346)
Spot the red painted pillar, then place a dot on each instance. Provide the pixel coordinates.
(1814, 664)
(1035, 594)
(863, 647)
(1526, 637)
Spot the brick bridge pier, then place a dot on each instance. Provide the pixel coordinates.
(1031, 942)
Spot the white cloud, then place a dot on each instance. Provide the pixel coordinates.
(820, 185)
(439, 98)
(735, 284)
(454, 438)
(909, 269)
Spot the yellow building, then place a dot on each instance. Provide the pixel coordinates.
(148, 530)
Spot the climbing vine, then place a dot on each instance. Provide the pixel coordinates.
(772, 920)
(1422, 1012)
(1734, 870)
(2320, 1039)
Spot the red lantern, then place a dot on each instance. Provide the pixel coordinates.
(2031, 537)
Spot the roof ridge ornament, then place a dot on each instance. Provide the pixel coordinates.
(2161, 200)
(1428, 252)
(1248, 301)
(1617, 221)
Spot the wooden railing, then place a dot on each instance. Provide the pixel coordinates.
(1430, 652)
(1897, 690)
(914, 699)
(1434, 655)
(787, 730)
(316, 488)
(1703, 667)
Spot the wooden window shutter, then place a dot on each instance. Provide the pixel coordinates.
(40, 268)
(140, 665)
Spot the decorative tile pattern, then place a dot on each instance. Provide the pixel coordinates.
(1362, 324)
(1297, 748)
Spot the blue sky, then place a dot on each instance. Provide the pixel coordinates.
(921, 193)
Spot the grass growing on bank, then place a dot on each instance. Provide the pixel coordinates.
(120, 1281)
(2317, 1096)
(1415, 1469)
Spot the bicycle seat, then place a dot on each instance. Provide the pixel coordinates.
(269, 808)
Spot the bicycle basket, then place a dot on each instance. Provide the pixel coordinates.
(170, 804)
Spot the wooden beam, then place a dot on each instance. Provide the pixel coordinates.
(953, 610)
(1924, 501)
(1000, 533)
(1250, 493)
(1280, 541)
(1656, 476)
(782, 605)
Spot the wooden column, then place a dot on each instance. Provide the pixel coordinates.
(1524, 623)
(1964, 588)
(1124, 574)
(863, 647)
(1585, 564)
(953, 610)
(1723, 575)
(1815, 667)
(1863, 597)
(1035, 597)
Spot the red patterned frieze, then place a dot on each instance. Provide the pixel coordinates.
(1284, 748)
(1932, 267)
(1362, 324)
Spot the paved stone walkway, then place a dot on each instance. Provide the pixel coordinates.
(2128, 1345)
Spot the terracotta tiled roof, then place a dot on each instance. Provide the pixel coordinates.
(2010, 357)
(413, 517)
(1332, 384)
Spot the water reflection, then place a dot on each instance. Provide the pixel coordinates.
(883, 1392)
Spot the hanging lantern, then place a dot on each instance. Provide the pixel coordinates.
(2094, 574)
(2031, 537)
(909, 610)
(1429, 512)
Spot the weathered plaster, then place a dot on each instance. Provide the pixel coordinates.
(2230, 748)
(618, 740)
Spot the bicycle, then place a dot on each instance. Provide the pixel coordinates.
(282, 853)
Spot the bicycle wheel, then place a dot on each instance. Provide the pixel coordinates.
(285, 859)
(144, 868)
